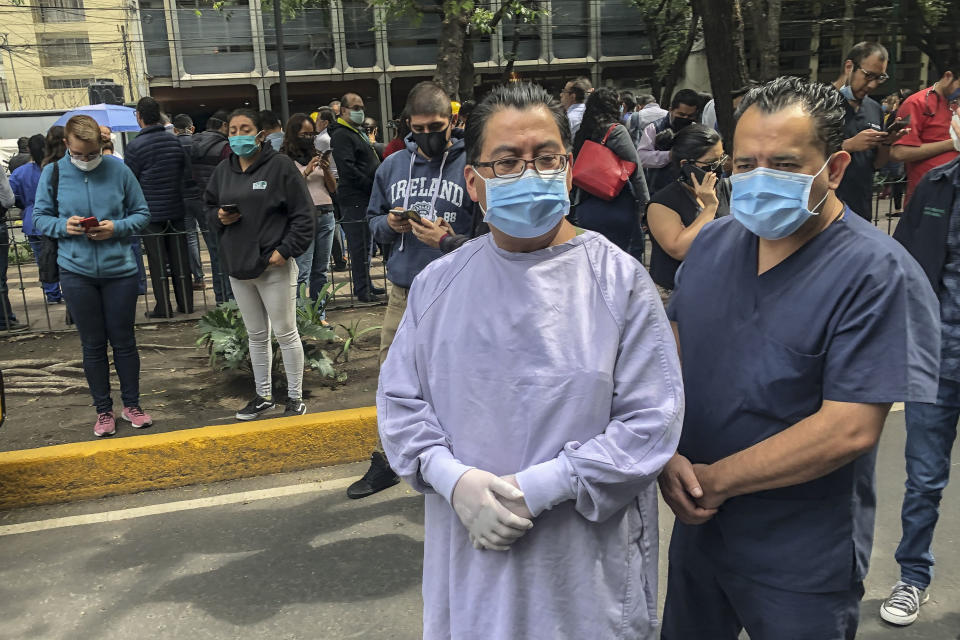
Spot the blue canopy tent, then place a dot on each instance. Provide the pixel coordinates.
(117, 117)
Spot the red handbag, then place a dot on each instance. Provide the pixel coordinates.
(599, 171)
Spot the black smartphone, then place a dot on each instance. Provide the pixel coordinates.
(900, 124)
(230, 208)
(689, 169)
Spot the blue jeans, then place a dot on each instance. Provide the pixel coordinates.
(931, 430)
(50, 289)
(6, 311)
(315, 261)
(104, 309)
(194, 211)
(221, 282)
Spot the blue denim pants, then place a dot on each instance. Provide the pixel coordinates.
(104, 309)
(315, 261)
(931, 430)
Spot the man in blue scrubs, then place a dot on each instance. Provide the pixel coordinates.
(798, 323)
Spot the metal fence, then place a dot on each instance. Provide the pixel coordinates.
(187, 270)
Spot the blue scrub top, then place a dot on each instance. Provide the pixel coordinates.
(849, 317)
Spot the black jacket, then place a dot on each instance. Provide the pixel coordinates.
(190, 189)
(207, 150)
(356, 162)
(925, 223)
(276, 209)
(158, 161)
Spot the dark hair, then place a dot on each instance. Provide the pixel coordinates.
(107, 145)
(291, 135)
(863, 50)
(602, 110)
(466, 108)
(22, 144)
(326, 114)
(55, 145)
(269, 120)
(580, 87)
(822, 102)
(689, 143)
(149, 110)
(345, 97)
(688, 97)
(629, 104)
(36, 145)
(244, 112)
(645, 99)
(428, 99)
(403, 125)
(218, 119)
(515, 95)
(182, 122)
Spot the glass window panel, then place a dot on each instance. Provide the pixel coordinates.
(215, 41)
(156, 45)
(307, 40)
(621, 30)
(48, 11)
(64, 51)
(410, 43)
(571, 37)
(528, 46)
(358, 34)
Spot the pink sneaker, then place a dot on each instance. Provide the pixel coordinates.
(106, 425)
(136, 417)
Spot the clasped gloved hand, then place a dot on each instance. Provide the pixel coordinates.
(491, 525)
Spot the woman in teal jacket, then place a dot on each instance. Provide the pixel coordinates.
(98, 272)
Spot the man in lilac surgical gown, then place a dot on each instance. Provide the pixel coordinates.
(533, 393)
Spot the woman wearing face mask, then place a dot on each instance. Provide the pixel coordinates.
(615, 219)
(93, 207)
(680, 210)
(298, 145)
(259, 206)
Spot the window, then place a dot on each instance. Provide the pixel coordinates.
(59, 11)
(67, 83)
(64, 51)
(215, 40)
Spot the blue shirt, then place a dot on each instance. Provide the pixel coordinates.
(849, 317)
(24, 181)
(950, 294)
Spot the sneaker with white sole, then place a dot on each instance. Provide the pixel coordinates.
(294, 408)
(106, 424)
(903, 605)
(255, 408)
(136, 417)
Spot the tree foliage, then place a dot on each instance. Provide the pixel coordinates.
(671, 30)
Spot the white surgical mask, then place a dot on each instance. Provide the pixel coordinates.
(953, 132)
(86, 165)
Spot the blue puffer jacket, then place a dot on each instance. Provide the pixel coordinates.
(109, 192)
(157, 160)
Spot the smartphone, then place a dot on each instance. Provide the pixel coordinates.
(689, 169)
(89, 223)
(410, 214)
(231, 208)
(897, 126)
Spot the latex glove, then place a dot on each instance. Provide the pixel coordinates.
(490, 523)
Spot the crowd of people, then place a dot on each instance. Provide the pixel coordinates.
(531, 382)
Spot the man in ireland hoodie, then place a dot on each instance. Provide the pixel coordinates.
(427, 177)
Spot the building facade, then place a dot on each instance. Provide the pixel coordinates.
(199, 59)
(51, 50)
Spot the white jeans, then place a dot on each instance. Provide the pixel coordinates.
(271, 299)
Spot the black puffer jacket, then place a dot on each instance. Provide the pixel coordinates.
(356, 162)
(207, 150)
(158, 161)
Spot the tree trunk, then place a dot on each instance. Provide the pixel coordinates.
(677, 70)
(514, 51)
(765, 21)
(718, 25)
(467, 69)
(453, 32)
(740, 69)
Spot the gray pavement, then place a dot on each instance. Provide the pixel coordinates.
(288, 556)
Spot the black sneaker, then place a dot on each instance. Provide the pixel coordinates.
(254, 409)
(294, 408)
(377, 478)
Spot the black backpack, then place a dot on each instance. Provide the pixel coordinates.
(47, 260)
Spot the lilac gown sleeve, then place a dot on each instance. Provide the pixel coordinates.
(609, 470)
(416, 444)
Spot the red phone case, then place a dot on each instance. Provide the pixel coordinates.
(88, 223)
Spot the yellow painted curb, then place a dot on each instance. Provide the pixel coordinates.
(102, 468)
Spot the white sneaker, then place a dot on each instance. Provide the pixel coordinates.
(903, 605)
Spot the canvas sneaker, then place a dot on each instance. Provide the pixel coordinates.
(255, 408)
(903, 605)
(136, 417)
(294, 408)
(106, 425)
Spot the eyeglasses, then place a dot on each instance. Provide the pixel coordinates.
(712, 166)
(308, 134)
(871, 76)
(549, 164)
(84, 156)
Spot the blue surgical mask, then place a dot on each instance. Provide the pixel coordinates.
(528, 206)
(244, 146)
(847, 92)
(357, 117)
(773, 204)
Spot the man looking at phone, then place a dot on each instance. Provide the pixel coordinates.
(928, 144)
(424, 182)
(864, 70)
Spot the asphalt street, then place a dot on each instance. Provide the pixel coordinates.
(288, 556)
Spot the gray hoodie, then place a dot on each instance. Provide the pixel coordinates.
(434, 188)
